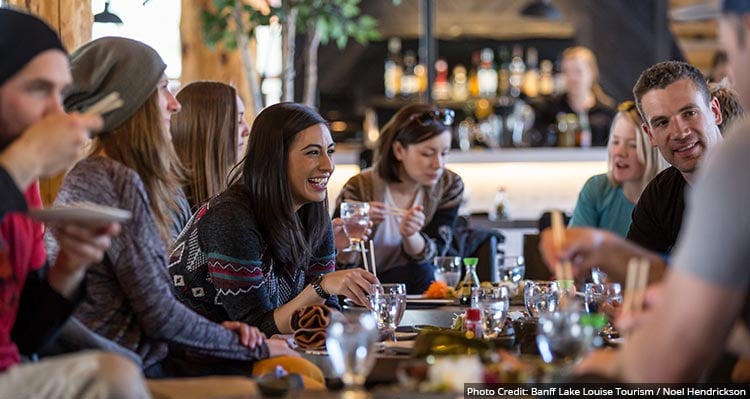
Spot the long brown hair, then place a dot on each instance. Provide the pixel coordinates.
(205, 137)
(141, 144)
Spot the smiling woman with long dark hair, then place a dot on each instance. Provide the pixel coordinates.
(265, 247)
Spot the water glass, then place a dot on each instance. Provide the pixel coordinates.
(598, 276)
(351, 346)
(447, 269)
(356, 217)
(563, 338)
(493, 303)
(388, 309)
(541, 297)
(388, 288)
(596, 295)
(510, 268)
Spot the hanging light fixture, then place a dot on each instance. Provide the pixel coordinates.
(106, 16)
(542, 9)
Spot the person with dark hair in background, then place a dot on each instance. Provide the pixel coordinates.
(38, 139)
(409, 176)
(729, 101)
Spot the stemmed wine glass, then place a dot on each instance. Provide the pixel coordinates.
(494, 303)
(356, 217)
(351, 347)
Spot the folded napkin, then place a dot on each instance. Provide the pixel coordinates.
(310, 324)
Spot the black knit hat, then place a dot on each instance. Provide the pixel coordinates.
(109, 64)
(23, 37)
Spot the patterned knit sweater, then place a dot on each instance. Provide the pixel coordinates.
(223, 269)
(129, 296)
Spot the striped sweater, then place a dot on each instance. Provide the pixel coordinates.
(223, 269)
(129, 297)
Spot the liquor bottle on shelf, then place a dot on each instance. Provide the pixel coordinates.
(503, 72)
(393, 68)
(546, 79)
(441, 90)
(583, 139)
(409, 80)
(487, 75)
(473, 83)
(531, 78)
(517, 69)
(460, 84)
(421, 71)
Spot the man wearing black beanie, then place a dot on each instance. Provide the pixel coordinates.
(38, 139)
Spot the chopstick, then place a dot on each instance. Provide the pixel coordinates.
(364, 256)
(108, 103)
(372, 259)
(635, 285)
(564, 270)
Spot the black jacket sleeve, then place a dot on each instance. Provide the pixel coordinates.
(41, 313)
(12, 198)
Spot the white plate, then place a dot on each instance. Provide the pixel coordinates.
(424, 300)
(402, 347)
(86, 213)
(405, 335)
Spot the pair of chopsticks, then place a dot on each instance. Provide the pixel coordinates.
(372, 258)
(108, 103)
(564, 270)
(635, 285)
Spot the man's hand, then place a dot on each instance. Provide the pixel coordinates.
(80, 246)
(249, 336)
(48, 146)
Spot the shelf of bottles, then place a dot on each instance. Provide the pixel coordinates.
(493, 97)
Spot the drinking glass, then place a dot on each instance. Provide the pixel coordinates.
(351, 348)
(541, 297)
(447, 270)
(356, 217)
(598, 276)
(563, 337)
(510, 268)
(388, 308)
(494, 303)
(596, 295)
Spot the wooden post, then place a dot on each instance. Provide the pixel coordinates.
(72, 19)
(202, 63)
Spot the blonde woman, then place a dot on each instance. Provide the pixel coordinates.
(583, 95)
(208, 134)
(607, 200)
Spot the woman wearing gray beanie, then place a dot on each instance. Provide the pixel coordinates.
(133, 166)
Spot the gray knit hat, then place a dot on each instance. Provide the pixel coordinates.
(113, 64)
